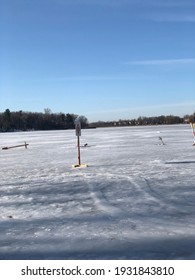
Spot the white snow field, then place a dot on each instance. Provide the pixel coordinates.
(135, 200)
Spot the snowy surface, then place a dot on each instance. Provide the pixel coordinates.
(135, 200)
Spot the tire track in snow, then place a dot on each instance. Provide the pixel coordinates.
(108, 190)
(142, 185)
(168, 201)
(128, 186)
(150, 195)
(102, 202)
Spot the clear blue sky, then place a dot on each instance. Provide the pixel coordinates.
(105, 59)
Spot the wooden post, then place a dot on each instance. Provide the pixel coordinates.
(78, 134)
(79, 150)
(17, 146)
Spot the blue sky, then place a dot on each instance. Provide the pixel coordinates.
(105, 59)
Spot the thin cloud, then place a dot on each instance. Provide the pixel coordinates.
(185, 61)
(172, 3)
(172, 17)
(183, 9)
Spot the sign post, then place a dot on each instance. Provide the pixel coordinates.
(78, 134)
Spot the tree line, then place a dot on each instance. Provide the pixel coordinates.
(19, 120)
(23, 121)
(159, 120)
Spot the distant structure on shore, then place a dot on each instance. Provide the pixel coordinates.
(159, 120)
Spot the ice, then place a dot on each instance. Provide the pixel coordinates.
(135, 200)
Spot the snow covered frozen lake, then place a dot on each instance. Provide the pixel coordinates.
(135, 200)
